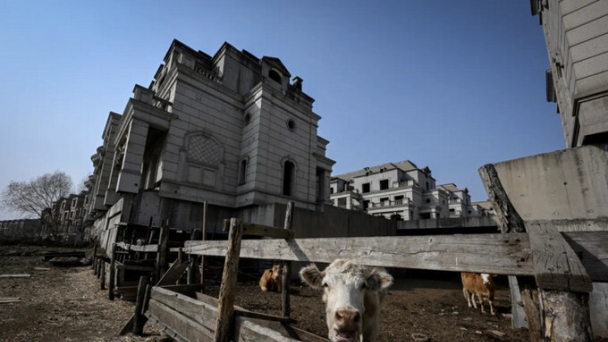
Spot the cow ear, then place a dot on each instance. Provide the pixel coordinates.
(379, 279)
(312, 276)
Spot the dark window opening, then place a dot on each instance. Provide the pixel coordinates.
(288, 178)
(365, 205)
(425, 216)
(365, 188)
(384, 184)
(243, 172)
(291, 125)
(275, 76)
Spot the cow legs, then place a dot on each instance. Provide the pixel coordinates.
(468, 296)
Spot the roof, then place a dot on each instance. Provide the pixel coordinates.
(449, 187)
(487, 205)
(405, 166)
(277, 64)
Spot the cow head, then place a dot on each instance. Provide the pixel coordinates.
(345, 284)
(277, 271)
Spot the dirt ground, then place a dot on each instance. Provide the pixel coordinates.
(66, 304)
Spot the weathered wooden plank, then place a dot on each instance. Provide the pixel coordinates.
(112, 270)
(138, 248)
(556, 266)
(484, 253)
(173, 274)
(592, 249)
(254, 330)
(18, 275)
(183, 289)
(139, 320)
(227, 293)
(187, 328)
(200, 312)
(8, 300)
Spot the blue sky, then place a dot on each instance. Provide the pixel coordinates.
(449, 84)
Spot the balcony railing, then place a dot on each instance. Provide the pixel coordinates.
(388, 204)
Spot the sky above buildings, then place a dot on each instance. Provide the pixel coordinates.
(452, 85)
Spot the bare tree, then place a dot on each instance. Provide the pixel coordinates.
(31, 198)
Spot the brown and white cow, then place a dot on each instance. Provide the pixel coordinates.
(480, 285)
(352, 293)
(272, 279)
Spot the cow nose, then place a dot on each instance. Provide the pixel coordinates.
(347, 316)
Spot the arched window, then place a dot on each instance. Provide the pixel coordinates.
(288, 178)
(274, 75)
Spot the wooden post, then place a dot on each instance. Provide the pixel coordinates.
(139, 320)
(94, 258)
(204, 237)
(102, 274)
(285, 300)
(96, 269)
(225, 305)
(112, 273)
(161, 258)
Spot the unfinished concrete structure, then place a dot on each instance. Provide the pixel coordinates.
(230, 129)
(576, 33)
(401, 191)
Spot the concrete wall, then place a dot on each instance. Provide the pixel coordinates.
(562, 185)
(568, 184)
(460, 222)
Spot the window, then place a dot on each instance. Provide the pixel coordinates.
(243, 172)
(342, 202)
(365, 188)
(384, 202)
(384, 184)
(425, 216)
(331, 191)
(291, 125)
(288, 178)
(274, 75)
(398, 199)
(365, 205)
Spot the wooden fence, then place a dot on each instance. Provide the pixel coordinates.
(561, 262)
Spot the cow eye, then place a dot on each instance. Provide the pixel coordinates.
(363, 286)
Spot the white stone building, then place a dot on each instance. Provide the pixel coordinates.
(230, 129)
(401, 191)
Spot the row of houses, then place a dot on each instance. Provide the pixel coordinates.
(402, 191)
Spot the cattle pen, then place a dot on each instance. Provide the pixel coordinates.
(562, 264)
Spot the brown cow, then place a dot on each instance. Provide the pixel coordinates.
(272, 279)
(480, 285)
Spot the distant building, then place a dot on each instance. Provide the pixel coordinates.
(576, 34)
(230, 129)
(66, 216)
(401, 191)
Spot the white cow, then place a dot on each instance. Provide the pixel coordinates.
(352, 294)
